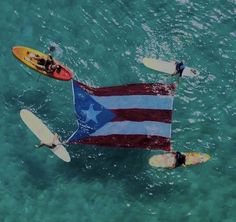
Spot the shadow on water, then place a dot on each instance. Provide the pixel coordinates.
(130, 167)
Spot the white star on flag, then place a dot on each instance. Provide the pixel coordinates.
(91, 114)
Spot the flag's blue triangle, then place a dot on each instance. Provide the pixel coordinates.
(90, 114)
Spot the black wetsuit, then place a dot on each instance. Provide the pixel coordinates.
(53, 146)
(180, 159)
(41, 62)
(49, 146)
(180, 68)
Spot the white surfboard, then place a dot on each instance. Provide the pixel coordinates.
(167, 67)
(41, 131)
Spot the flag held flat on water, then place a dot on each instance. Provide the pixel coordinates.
(131, 116)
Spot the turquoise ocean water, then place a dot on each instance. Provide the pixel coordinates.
(102, 41)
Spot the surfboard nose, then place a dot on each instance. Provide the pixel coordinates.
(207, 157)
(23, 112)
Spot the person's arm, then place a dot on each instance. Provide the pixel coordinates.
(42, 68)
(40, 145)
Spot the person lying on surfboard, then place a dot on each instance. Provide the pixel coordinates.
(48, 65)
(180, 66)
(51, 145)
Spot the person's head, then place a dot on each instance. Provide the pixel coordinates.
(56, 67)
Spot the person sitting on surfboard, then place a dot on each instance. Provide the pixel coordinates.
(48, 65)
(50, 145)
(179, 159)
(180, 66)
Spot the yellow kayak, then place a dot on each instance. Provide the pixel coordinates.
(168, 160)
(27, 56)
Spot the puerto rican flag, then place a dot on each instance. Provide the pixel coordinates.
(129, 116)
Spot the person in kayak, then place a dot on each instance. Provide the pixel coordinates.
(48, 65)
(179, 159)
(50, 145)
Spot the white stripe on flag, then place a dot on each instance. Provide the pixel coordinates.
(132, 128)
(136, 101)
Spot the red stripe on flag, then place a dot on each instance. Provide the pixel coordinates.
(131, 89)
(139, 115)
(129, 141)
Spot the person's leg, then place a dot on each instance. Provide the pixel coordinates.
(41, 68)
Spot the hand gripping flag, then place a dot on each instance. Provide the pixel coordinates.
(134, 115)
